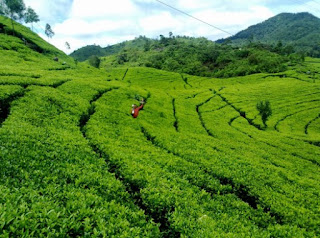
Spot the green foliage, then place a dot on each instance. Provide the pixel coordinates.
(85, 52)
(297, 32)
(94, 61)
(199, 56)
(265, 110)
(67, 45)
(31, 16)
(13, 9)
(2, 7)
(48, 31)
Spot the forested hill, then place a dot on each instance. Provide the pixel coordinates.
(300, 30)
(196, 56)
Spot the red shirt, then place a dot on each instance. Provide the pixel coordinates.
(135, 111)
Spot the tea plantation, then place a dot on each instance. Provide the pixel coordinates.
(197, 162)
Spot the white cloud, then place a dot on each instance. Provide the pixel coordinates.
(191, 5)
(226, 19)
(80, 28)
(160, 23)
(50, 11)
(96, 9)
(76, 43)
(84, 22)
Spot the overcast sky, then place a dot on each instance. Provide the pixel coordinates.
(106, 22)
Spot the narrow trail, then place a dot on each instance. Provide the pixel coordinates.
(226, 105)
(91, 110)
(25, 85)
(309, 123)
(125, 74)
(194, 95)
(19, 75)
(287, 76)
(290, 115)
(132, 189)
(299, 103)
(185, 80)
(273, 146)
(232, 120)
(5, 105)
(239, 190)
(241, 113)
(200, 116)
(56, 85)
(244, 133)
(175, 123)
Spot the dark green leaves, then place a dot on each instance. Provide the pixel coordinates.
(265, 111)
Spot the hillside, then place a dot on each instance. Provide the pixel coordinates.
(197, 162)
(85, 52)
(196, 56)
(29, 38)
(299, 30)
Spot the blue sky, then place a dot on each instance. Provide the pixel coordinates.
(106, 22)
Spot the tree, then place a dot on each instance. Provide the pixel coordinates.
(67, 45)
(14, 9)
(265, 111)
(49, 32)
(2, 7)
(94, 61)
(122, 57)
(163, 40)
(31, 16)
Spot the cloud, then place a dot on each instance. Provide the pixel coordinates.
(231, 18)
(85, 22)
(51, 11)
(97, 9)
(162, 22)
(76, 43)
(191, 5)
(80, 28)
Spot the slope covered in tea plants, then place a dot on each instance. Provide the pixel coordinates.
(197, 162)
(52, 181)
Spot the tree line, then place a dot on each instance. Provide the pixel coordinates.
(202, 57)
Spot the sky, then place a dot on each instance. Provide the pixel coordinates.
(107, 22)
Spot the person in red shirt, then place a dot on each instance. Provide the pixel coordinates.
(135, 109)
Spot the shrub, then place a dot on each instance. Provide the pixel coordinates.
(265, 111)
(94, 61)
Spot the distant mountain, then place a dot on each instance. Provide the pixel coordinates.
(299, 30)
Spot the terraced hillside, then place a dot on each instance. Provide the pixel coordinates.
(197, 162)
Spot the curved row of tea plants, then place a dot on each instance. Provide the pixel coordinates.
(207, 153)
(52, 181)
